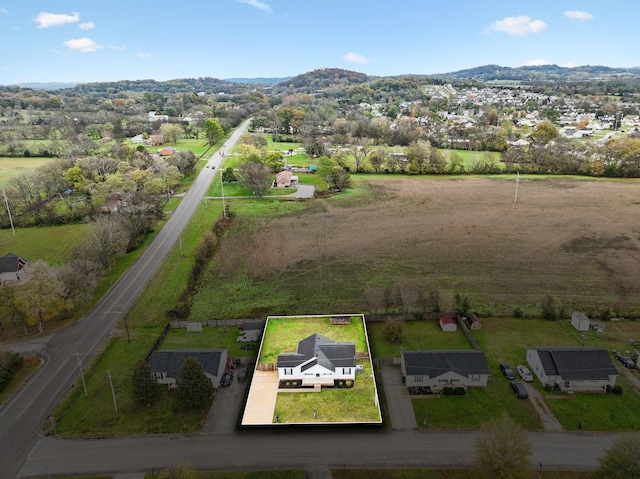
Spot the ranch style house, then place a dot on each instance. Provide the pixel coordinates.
(166, 364)
(431, 371)
(318, 361)
(584, 369)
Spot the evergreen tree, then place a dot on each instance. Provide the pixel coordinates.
(145, 387)
(194, 388)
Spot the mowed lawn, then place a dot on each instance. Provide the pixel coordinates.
(53, 244)
(11, 167)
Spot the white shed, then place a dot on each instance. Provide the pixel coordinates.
(580, 321)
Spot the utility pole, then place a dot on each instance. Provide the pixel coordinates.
(113, 393)
(180, 242)
(224, 209)
(6, 202)
(77, 355)
(126, 326)
(517, 181)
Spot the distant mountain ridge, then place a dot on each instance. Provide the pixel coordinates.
(324, 78)
(541, 73)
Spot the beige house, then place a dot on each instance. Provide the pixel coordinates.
(283, 179)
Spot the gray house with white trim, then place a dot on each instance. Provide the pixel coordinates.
(166, 364)
(582, 369)
(435, 370)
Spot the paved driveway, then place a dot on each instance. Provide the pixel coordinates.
(261, 401)
(398, 400)
(226, 408)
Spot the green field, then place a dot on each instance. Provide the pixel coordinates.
(52, 244)
(12, 167)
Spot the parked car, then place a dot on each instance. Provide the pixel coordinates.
(245, 339)
(226, 378)
(519, 389)
(524, 373)
(625, 360)
(242, 375)
(246, 347)
(507, 371)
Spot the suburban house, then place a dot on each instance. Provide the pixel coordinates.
(166, 364)
(12, 267)
(318, 361)
(283, 179)
(166, 151)
(585, 369)
(448, 323)
(580, 321)
(432, 371)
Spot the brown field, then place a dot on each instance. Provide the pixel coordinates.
(577, 240)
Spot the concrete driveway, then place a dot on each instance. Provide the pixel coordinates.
(398, 400)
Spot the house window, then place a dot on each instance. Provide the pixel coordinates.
(346, 370)
(317, 375)
(418, 379)
(288, 372)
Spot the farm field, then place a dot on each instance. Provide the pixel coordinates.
(12, 167)
(568, 238)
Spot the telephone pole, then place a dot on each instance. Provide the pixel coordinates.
(6, 202)
(113, 393)
(77, 355)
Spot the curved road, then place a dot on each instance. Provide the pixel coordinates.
(22, 418)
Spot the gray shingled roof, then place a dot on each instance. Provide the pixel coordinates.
(9, 263)
(577, 363)
(170, 361)
(437, 363)
(326, 352)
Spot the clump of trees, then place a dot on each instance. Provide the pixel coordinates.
(145, 386)
(10, 363)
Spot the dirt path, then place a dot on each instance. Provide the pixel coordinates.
(549, 421)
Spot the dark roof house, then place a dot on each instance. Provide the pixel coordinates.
(573, 368)
(438, 369)
(166, 364)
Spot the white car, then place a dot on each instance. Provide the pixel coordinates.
(524, 373)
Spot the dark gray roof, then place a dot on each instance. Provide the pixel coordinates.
(577, 363)
(437, 363)
(170, 361)
(326, 352)
(253, 325)
(11, 263)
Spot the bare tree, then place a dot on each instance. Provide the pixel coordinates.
(622, 460)
(256, 176)
(503, 450)
(109, 239)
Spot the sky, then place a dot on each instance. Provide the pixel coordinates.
(110, 40)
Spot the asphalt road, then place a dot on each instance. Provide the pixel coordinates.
(22, 418)
(299, 449)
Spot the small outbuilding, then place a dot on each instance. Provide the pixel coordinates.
(448, 323)
(473, 322)
(283, 179)
(12, 267)
(580, 321)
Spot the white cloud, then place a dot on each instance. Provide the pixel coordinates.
(46, 20)
(520, 25)
(86, 26)
(258, 4)
(117, 48)
(537, 62)
(578, 15)
(568, 65)
(144, 56)
(83, 44)
(356, 58)
(3, 10)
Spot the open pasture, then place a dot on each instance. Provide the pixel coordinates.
(576, 240)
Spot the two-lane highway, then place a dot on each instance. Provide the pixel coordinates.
(22, 418)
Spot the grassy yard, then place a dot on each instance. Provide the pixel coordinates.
(11, 167)
(95, 416)
(218, 337)
(283, 334)
(52, 244)
(469, 158)
(358, 404)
